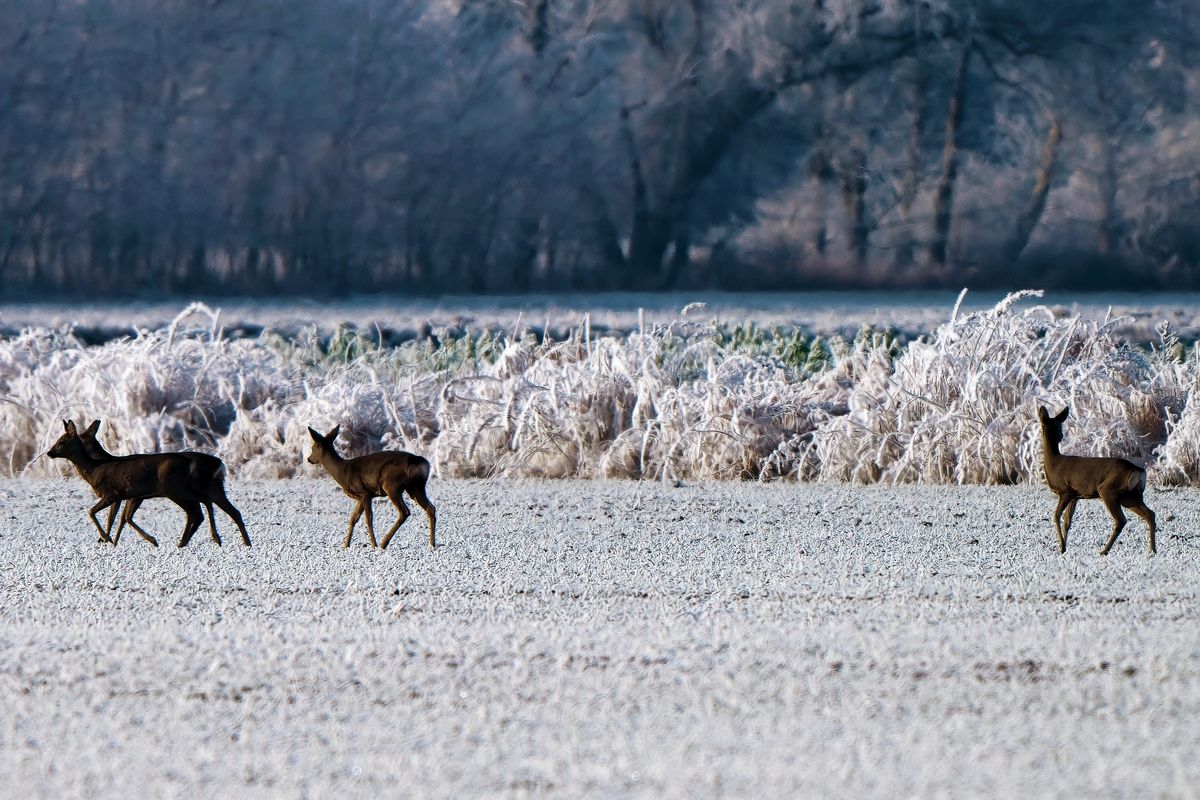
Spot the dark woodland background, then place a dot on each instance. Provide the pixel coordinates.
(344, 146)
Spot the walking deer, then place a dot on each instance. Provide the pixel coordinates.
(206, 479)
(133, 478)
(389, 473)
(1114, 480)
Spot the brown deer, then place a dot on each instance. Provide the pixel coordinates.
(135, 478)
(1114, 480)
(206, 479)
(389, 473)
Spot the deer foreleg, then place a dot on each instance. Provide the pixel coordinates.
(1063, 500)
(112, 515)
(1067, 521)
(103, 504)
(354, 515)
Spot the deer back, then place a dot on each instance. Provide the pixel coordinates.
(1084, 475)
(371, 472)
(144, 475)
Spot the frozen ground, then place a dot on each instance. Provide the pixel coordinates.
(576, 638)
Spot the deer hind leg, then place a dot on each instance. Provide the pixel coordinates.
(396, 495)
(354, 515)
(195, 518)
(223, 503)
(1063, 501)
(366, 503)
(212, 522)
(1114, 508)
(131, 507)
(1143, 511)
(417, 492)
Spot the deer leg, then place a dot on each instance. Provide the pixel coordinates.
(212, 522)
(354, 515)
(103, 504)
(1143, 511)
(1067, 521)
(1114, 508)
(126, 515)
(223, 503)
(417, 492)
(1063, 500)
(396, 495)
(131, 507)
(370, 525)
(112, 515)
(195, 518)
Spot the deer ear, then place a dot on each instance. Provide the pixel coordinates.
(95, 426)
(333, 434)
(1063, 415)
(70, 426)
(1043, 413)
(316, 436)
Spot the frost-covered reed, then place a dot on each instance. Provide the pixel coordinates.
(687, 400)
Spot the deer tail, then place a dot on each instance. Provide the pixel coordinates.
(1137, 481)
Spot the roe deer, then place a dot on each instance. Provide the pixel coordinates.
(206, 479)
(390, 473)
(1114, 480)
(134, 478)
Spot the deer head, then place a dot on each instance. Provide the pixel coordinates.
(322, 444)
(1052, 426)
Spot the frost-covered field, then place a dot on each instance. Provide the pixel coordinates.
(603, 638)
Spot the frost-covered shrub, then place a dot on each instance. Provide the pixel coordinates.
(959, 406)
(682, 401)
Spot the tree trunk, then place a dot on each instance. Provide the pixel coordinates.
(820, 173)
(905, 253)
(1032, 213)
(854, 189)
(525, 255)
(1106, 233)
(943, 199)
(680, 258)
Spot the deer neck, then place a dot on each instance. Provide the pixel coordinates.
(334, 464)
(1050, 451)
(83, 462)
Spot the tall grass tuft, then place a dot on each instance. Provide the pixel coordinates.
(684, 401)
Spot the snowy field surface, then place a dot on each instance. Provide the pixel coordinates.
(606, 639)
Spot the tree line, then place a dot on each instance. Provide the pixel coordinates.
(341, 146)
